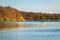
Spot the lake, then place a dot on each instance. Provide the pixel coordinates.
(32, 31)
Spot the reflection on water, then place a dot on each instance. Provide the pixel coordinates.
(28, 24)
(32, 31)
(39, 24)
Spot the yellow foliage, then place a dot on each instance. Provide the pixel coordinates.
(21, 18)
(1, 19)
(6, 18)
(14, 19)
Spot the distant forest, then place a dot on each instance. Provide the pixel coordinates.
(11, 14)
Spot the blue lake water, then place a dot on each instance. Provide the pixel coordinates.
(37, 31)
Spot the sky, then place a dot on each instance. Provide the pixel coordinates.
(49, 6)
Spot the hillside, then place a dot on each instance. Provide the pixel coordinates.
(40, 16)
(11, 14)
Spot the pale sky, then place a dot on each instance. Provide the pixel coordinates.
(34, 5)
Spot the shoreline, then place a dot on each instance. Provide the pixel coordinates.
(33, 21)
